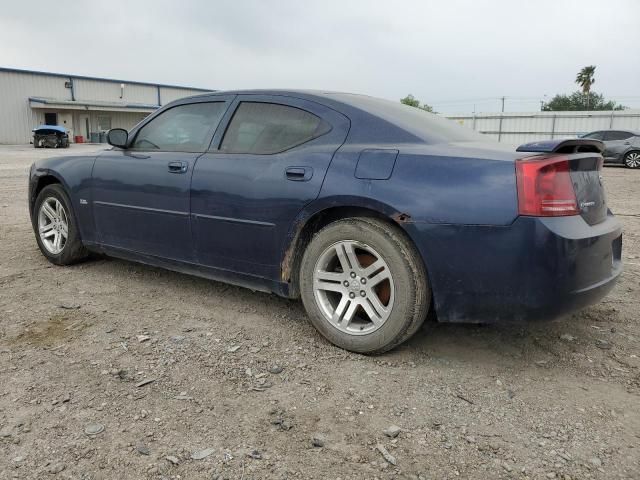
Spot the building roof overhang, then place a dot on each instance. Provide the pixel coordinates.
(58, 104)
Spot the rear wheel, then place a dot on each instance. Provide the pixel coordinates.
(632, 159)
(55, 228)
(364, 285)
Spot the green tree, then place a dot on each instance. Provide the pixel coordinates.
(414, 102)
(580, 101)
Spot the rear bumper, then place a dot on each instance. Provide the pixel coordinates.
(533, 269)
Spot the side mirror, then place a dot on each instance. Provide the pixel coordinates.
(118, 137)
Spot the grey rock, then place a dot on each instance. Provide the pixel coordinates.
(94, 429)
(318, 441)
(142, 449)
(567, 337)
(393, 431)
(595, 461)
(56, 468)
(276, 369)
(385, 454)
(202, 454)
(172, 459)
(144, 382)
(255, 454)
(603, 344)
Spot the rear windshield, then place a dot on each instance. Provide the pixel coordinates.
(429, 127)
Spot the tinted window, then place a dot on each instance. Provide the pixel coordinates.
(264, 128)
(185, 128)
(617, 135)
(594, 135)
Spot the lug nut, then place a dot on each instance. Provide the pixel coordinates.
(345, 283)
(363, 280)
(353, 274)
(352, 295)
(363, 293)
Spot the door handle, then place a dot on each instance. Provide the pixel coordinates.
(627, 143)
(299, 174)
(178, 167)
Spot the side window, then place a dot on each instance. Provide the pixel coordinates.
(594, 135)
(185, 128)
(264, 128)
(617, 135)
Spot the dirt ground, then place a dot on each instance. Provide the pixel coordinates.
(242, 387)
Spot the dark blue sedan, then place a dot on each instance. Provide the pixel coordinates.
(374, 213)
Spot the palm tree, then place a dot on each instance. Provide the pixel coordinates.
(585, 79)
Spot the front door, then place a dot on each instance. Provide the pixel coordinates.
(267, 164)
(141, 195)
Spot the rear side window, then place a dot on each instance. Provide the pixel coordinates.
(594, 135)
(617, 135)
(264, 128)
(185, 128)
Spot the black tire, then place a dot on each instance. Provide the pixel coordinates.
(631, 159)
(412, 293)
(73, 251)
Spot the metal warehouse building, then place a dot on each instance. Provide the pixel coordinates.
(85, 106)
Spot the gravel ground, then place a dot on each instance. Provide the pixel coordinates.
(188, 378)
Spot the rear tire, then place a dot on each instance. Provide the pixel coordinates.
(632, 159)
(364, 285)
(54, 225)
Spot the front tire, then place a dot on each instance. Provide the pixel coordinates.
(364, 285)
(55, 227)
(632, 159)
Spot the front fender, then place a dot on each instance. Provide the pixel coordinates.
(74, 174)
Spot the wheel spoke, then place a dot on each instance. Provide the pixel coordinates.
(373, 268)
(373, 315)
(340, 309)
(47, 231)
(376, 304)
(348, 316)
(329, 286)
(49, 212)
(334, 277)
(379, 277)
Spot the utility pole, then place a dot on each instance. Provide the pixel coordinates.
(502, 109)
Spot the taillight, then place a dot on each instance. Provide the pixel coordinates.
(545, 188)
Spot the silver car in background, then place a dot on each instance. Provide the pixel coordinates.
(621, 146)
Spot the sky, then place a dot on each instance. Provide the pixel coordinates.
(459, 56)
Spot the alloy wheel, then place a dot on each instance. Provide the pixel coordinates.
(632, 160)
(53, 225)
(353, 287)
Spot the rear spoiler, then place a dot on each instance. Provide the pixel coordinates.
(572, 145)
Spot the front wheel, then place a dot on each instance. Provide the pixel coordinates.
(364, 285)
(632, 159)
(55, 227)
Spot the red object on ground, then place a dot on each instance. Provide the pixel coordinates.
(78, 139)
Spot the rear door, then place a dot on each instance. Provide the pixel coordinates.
(141, 195)
(616, 143)
(267, 164)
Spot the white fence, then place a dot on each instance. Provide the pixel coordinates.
(518, 128)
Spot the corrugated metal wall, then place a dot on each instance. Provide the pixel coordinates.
(518, 128)
(17, 118)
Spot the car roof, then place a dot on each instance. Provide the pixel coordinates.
(634, 132)
(376, 119)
